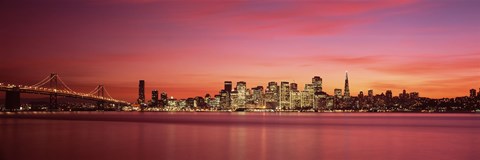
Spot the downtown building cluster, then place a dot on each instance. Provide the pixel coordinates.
(278, 96)
(275, 96)
(286, 96)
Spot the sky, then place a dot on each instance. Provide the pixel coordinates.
(189, 48)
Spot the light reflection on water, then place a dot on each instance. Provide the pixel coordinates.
(116, 135)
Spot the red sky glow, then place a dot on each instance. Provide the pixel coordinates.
(188, 48)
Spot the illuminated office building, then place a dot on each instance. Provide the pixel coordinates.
(284, 95)
(271, 95)
(242, 94)
(293, 86)
(164, 99)
(317, 84)
(172, 102)
(228, 86)
(295, 99)
(224, 99)
(155, 98)
(337, 93)
(234, 100)
(141, 92)
(258, 97)
(307, 95)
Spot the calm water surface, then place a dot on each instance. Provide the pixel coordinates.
(121, 135)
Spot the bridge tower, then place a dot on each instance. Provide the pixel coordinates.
(101, 93)
(53, 96)
(12, 99)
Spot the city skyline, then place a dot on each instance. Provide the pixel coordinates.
(336, 92)
(283, 96)
(189, 48)
(288, 97)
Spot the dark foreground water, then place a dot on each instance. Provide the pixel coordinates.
(115, 135)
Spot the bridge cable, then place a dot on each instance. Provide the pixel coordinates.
(43, 82)
(36, 84)
(64, 85)
(109, 96)
(94, 90)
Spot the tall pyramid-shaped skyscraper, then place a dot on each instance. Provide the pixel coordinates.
(347, 88)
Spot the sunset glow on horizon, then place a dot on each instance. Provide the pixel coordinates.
(189, 48)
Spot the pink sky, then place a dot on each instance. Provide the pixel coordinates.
(189, 47)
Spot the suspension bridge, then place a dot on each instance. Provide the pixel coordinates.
(55, 87)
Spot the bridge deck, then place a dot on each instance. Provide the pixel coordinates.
(63, 93)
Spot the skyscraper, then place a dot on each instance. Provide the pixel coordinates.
(308, 95)
(228, 86)
(155, 98)
(141, 92)
(234, 103)
(370, 93)
(360, 95)
(271, 95)
(12, 101)
(293, 86)
(389, 94)
(338, 92)
(473, 93)
(224, 99)
(164, 99)
(257, 96)
(317, 84)
(242, 93)
(226, 93)
(284, 95)
(347, 88)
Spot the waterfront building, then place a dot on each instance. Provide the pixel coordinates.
(164, 99)
(295, 99)
(307, 96)
(242, 94)
(141, 92)
(257, 97)
(284, 95)
(155, 98)
(234, 100)
(172, 102)
(224, 99)
(228, 86)
(271, 95)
